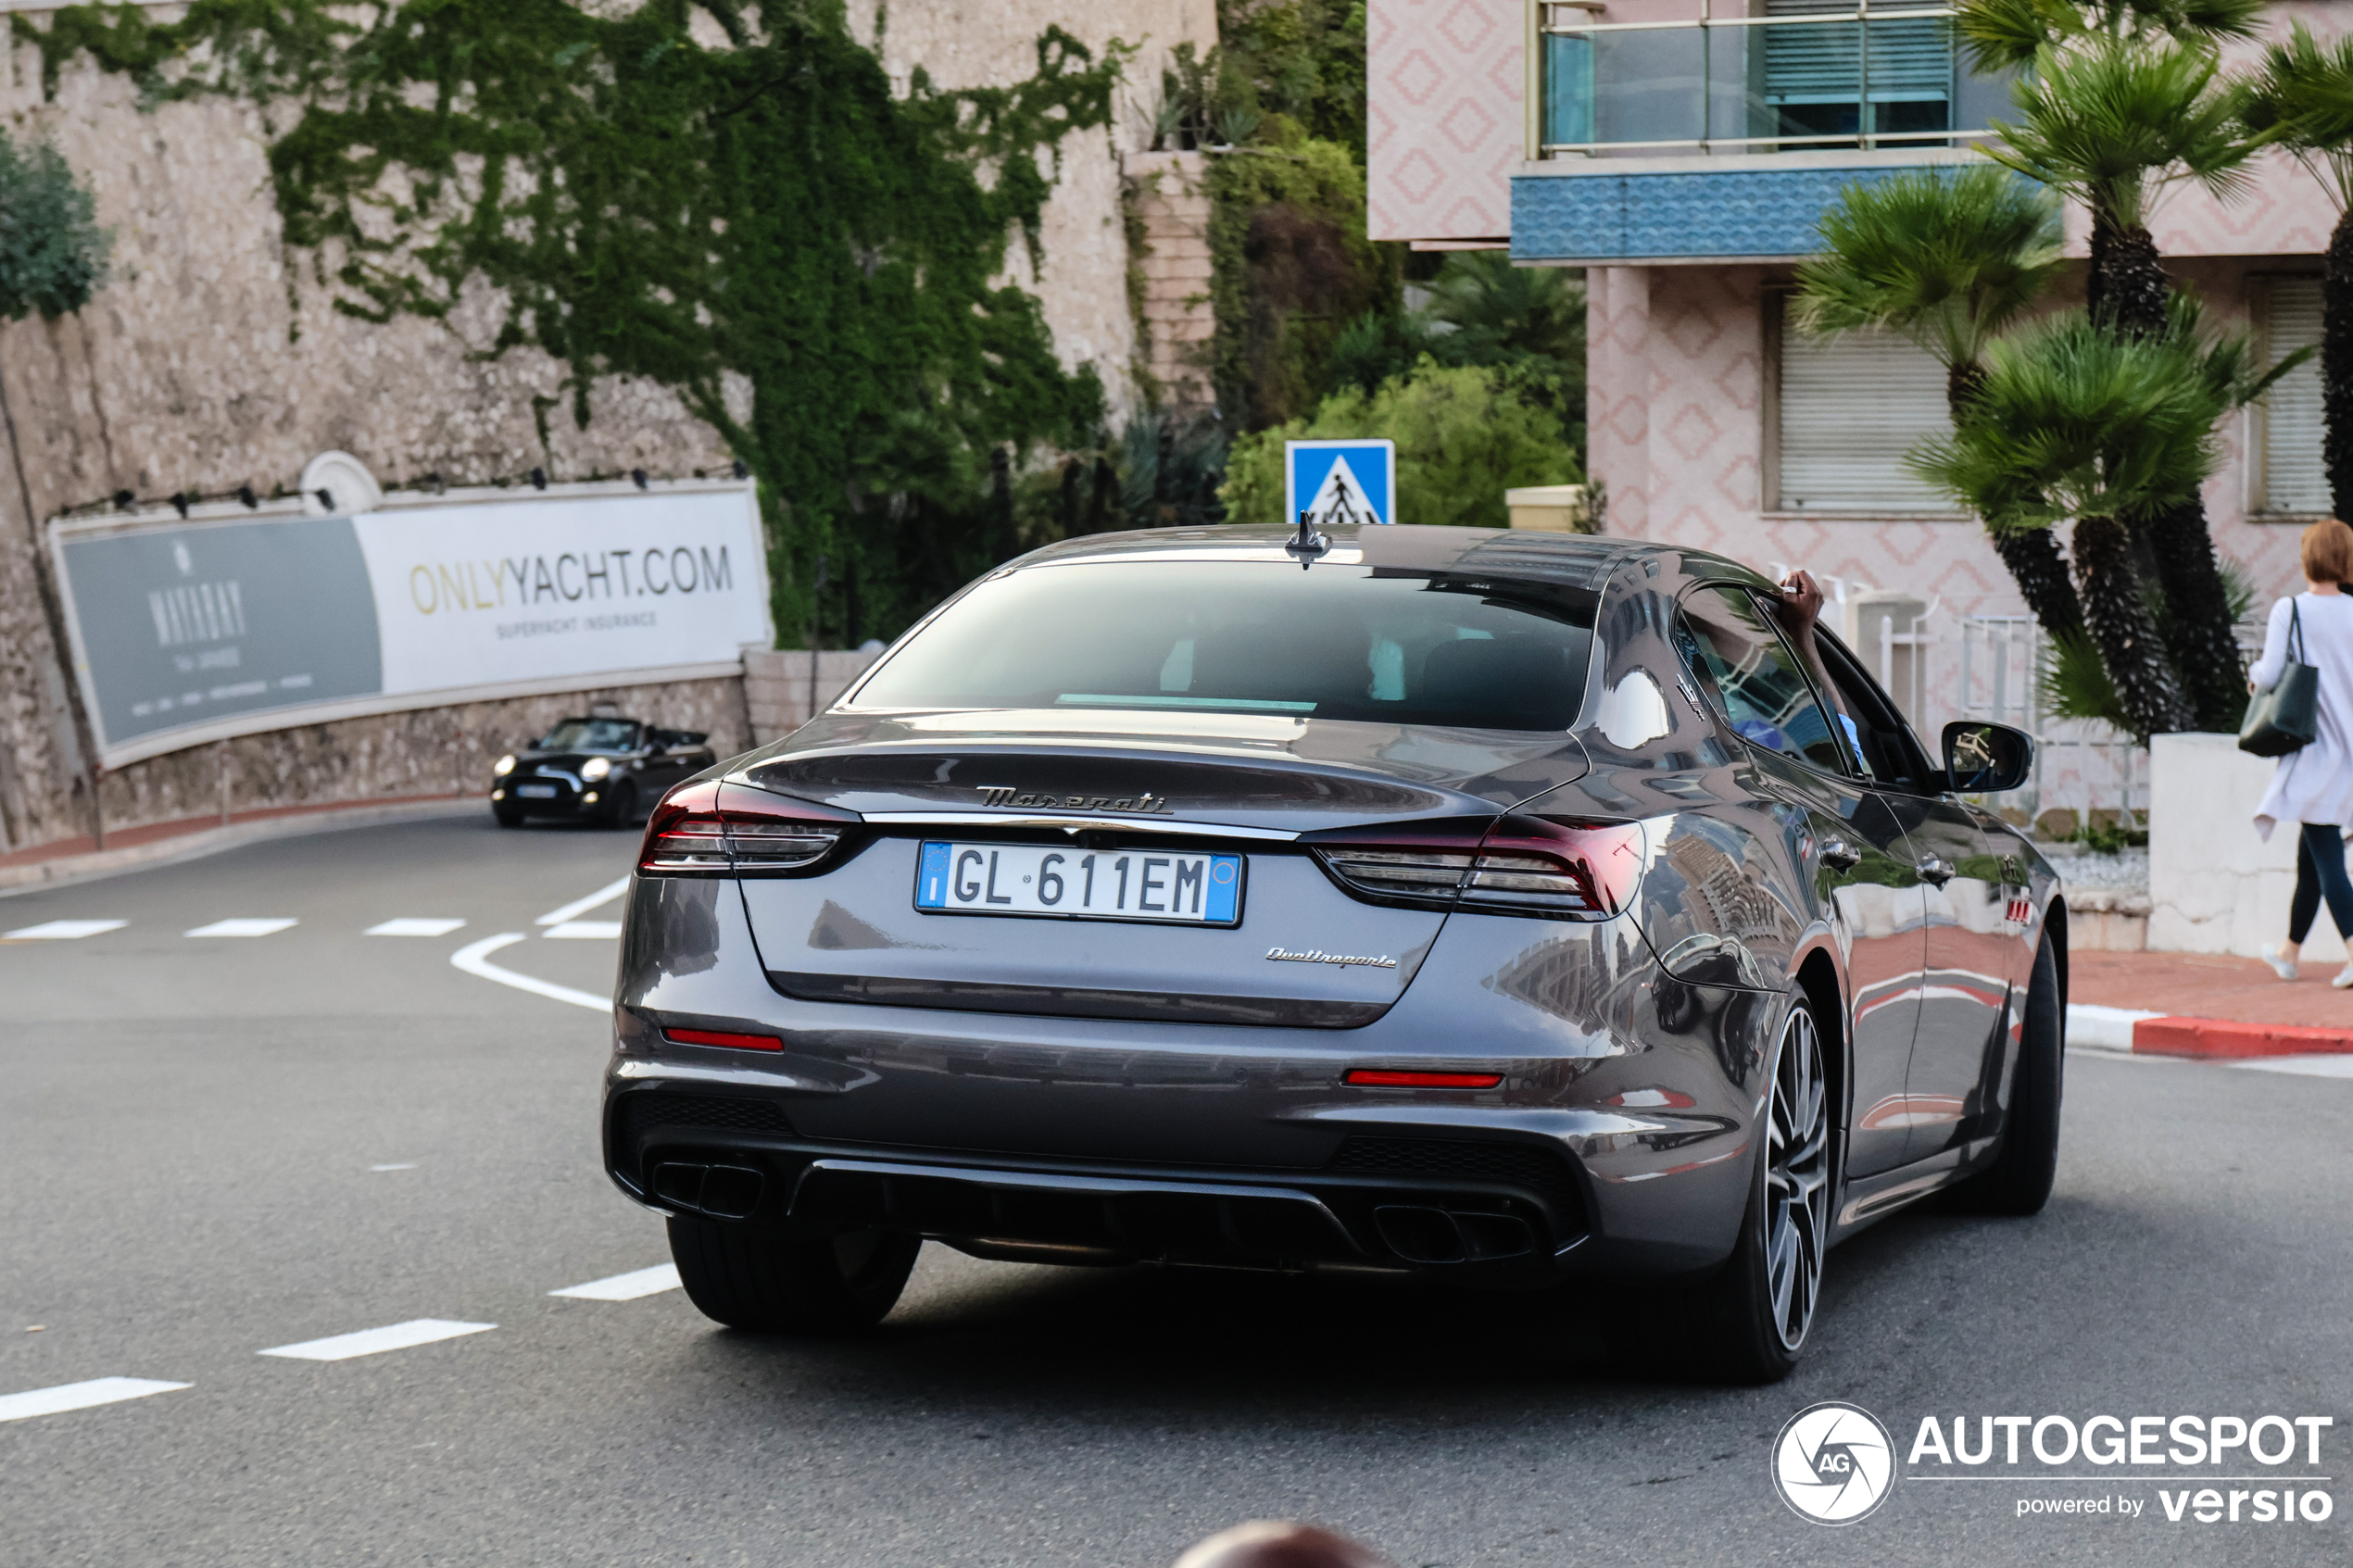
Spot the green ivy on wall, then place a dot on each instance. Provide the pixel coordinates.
(1290, 266)
(645, 205)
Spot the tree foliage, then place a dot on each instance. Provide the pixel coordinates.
(1946, 256)
(1463, 438)
(1289, 263)
(2005, 34)
(2111, 122)
(2075, 421)
(644, 204)
(53, 254)
(1479, 311)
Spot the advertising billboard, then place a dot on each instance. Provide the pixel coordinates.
(187, 631)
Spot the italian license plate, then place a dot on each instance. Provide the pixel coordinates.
(536, 792)
(1023, 879)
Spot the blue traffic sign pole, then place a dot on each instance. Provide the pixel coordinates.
(1341, 483)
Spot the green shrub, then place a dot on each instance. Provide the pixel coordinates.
(1464, 436)
(53, 254)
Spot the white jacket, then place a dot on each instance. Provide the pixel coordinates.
(2316, 783)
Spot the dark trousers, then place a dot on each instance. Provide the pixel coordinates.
(2320, 870)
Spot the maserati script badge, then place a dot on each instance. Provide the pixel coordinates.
(1146, 804)
(1316, 955)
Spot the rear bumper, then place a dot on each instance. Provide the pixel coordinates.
(1502, 1212)
(1619, 1141)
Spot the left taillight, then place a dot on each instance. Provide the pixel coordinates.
(1520, 865)
(716, 829)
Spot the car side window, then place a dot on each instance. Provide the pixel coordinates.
(1753, 678)
(1891, 753)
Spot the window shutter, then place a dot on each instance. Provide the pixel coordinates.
(2294, 478)
(1850, 408)
(1911, 58)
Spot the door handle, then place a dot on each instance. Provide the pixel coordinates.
(1839, 855)
(1935, 871)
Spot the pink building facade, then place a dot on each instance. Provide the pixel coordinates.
(1680, 152)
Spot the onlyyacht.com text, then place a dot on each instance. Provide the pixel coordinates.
(2217, 1469)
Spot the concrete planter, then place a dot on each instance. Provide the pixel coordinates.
(2214, 887)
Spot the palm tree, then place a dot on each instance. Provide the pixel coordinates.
(2123, 101)
(2304, 102)
(2074, 419)
(1949, 258)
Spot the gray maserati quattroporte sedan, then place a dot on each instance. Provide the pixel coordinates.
(1506, 907)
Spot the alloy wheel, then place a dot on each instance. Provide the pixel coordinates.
(1796, 1179)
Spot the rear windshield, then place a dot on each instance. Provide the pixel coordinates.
(1334, 642)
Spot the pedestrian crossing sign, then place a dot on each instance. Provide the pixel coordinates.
(1340, 481)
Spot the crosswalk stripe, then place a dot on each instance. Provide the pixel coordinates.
(369, 1341)
(80, 1396)
(413, 926)
(625, 1288)
(64, 930)
(241, 928)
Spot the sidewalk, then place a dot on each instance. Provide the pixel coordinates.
(75, 860)
(2204, 1004)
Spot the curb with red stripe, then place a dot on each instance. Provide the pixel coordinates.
(2219, 1039)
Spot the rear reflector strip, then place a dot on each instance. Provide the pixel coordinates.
(719, 1038)
(1383, 1078)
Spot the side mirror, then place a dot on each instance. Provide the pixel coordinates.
(1985, 758)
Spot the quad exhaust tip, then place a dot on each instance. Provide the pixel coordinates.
(721, 1192)
(1421, 1235)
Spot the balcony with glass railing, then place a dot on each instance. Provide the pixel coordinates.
(1797, 75)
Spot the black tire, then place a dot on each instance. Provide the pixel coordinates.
(506, 816)
(1752, 1319)
(623, 810)
(2019, 1182)
(768, 1283)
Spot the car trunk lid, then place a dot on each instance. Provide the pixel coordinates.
(1302, 952)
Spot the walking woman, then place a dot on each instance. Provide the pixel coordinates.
(2313, 788)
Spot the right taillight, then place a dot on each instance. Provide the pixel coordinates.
(1565, 869)
(714, 829)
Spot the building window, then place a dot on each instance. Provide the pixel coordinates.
(1843, 413)
(2291, 478)
(1799, 74)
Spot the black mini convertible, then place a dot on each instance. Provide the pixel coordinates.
(605, 770)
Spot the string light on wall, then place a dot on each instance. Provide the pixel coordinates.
(186, 501)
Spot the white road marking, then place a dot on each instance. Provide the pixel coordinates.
(578, 907)
(584, 931)
(64, 930)
(240, 928)
(625, 1288)
(80, 1396)
(410, 925)
(474, 958)
(409, 1165)
(2320, 1065)
(371, 1341)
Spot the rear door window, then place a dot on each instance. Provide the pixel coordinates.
(1754, 677)
(1336, 641)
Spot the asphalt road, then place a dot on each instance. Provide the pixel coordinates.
(212, 1147)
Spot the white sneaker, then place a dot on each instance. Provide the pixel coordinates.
(2285, 968)
(2344, 978)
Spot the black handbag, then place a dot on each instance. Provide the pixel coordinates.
(2286, 718)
